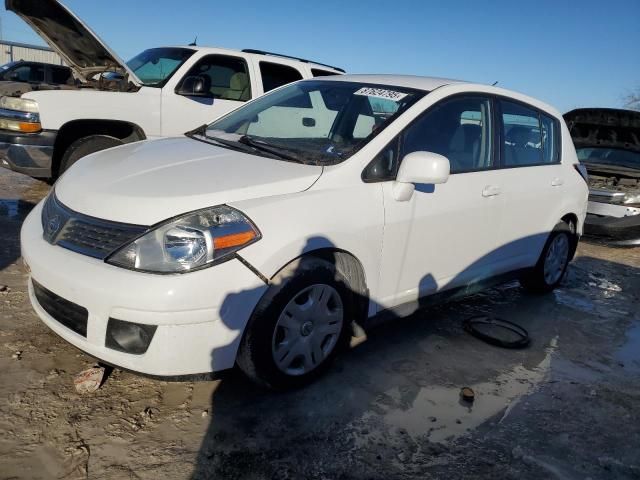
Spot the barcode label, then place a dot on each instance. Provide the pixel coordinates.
(381, 93)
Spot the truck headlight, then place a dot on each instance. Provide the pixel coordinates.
(19, 115)
(189, 242)
(19, 104)
(631, 199)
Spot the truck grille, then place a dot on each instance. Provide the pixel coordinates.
(72, 316)
(87, 235)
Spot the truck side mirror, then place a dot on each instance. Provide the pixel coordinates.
(195, 86)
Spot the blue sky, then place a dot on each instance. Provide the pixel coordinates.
(568, 53)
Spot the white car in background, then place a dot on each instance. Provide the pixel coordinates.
(162, 91)
(262, 238)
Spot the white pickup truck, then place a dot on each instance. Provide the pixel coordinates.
(163, 91)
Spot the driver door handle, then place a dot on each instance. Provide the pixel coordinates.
(556, 182)
(491, 191)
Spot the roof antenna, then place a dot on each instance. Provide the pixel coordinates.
(194, 43)
(494, 83)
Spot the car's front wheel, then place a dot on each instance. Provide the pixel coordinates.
(298, 326)
(553, 262)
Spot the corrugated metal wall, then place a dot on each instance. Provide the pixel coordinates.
(12, 51)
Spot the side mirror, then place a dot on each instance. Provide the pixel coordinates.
(419, 168)
(195, 86)
(14, 76)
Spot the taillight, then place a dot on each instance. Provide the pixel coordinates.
(582, 170)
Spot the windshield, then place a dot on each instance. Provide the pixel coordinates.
(609, 156)
(155, 66)
(315, 122)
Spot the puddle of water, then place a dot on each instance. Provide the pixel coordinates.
(12, 209)
(629, 353)
(439, 413)
(576, 302)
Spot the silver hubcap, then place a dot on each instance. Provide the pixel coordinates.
(557, 258)
(307, 330)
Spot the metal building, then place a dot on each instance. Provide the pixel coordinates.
(12, 51)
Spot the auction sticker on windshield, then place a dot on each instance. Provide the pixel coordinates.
(381, 93)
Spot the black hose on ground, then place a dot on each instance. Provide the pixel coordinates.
(497, 331)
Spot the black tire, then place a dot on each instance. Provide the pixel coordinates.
(255, 355)
(535, 280)
(85, 146)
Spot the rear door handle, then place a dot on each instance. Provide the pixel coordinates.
(491, 191)
(556, 182)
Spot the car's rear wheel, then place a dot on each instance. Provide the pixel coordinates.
(298, 326)
(553, 262)
(85, 146)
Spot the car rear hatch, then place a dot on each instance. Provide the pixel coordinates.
(80, 47)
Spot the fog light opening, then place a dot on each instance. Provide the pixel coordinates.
(129, 337)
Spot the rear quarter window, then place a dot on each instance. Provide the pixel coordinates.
(316, 72)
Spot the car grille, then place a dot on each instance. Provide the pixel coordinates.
(72, 316)
(84, 234)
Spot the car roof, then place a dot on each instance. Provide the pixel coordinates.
(429, 84)
(286, 59)
(407, 81)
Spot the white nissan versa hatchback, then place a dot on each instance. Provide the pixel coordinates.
(263, 238)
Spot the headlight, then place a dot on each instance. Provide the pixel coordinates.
(19, 115)
(631, 199)
(19, 104)
(189, 242)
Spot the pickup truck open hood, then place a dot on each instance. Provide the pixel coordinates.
(80, 48)
(146, 182)
(604, 127)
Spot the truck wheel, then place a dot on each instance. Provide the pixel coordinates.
(84, 146)
(553, 262)
(298, 326)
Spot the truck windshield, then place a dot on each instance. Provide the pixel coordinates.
(318, 122)
(155, 66)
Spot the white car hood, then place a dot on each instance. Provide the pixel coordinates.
(147, 182)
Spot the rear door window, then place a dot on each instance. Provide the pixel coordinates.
(521, 135)
(275, 75)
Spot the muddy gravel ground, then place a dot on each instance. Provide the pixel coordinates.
(566, 407)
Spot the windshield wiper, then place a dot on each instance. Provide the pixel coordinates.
(202, 131)
(267, 148)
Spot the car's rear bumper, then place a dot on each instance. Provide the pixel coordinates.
(30, 154)
(617, 231)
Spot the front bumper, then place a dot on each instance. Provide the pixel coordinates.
(200, 315)
(28, 153)
(615, 225)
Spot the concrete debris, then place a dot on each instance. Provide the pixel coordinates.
(89, 380)
(467, 394)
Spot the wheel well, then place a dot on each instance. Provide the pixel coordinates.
(72, 131)
(572, 220)
(352, 270)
